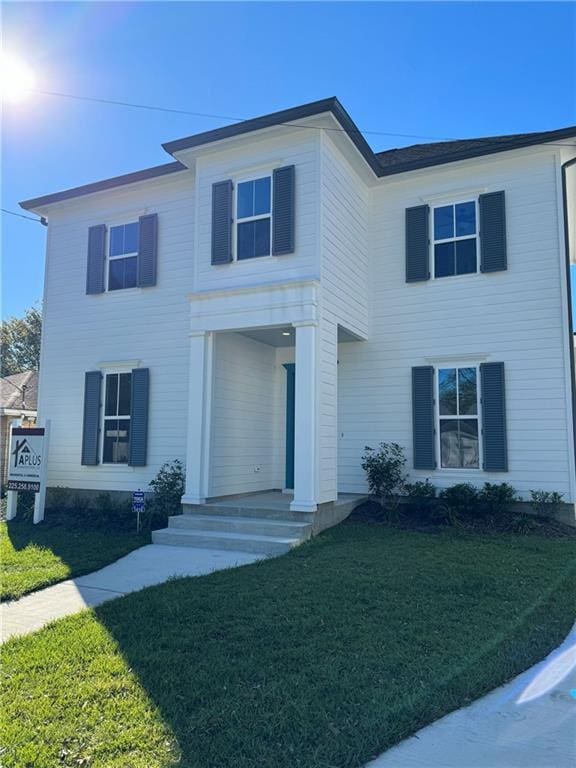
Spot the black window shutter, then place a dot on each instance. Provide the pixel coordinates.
(493, 392)
(139, 417)
(147, 250)
(96, 259)
(283, 213)
(91, 423)
(423, 432)
(222, 222)
(493, 256)
(417, 243)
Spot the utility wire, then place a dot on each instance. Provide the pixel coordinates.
(265, 121)
(21, 215)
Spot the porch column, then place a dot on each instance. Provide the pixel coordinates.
(306, 464)
(199, 417)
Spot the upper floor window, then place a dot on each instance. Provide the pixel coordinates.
(117, 404)
(253, 214)
(455, 239)
(123, 256)
(458, 417)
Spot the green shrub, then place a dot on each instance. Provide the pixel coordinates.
(384, 469)
(167, 490)
(457, 502)
(546, 502)
(420, 497)
(496, 499)
(523, 524)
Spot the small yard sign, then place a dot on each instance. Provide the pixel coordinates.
(26, 459)
(27, 464)
(138, 505)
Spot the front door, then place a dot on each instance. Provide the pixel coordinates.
(290, 401)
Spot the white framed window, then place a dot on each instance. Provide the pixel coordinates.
(116, 426)
(455, 238)
(253, 218)
(123, 256)
(458, 417)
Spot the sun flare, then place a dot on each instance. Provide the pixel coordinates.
(17, 79)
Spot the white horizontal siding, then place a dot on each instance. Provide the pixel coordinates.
(148, 325)
(344, 233)
(244, 416)
(514, 316)
(260, 158)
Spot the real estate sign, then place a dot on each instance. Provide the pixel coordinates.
(26, 459)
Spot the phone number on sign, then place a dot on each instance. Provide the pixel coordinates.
(21, 485)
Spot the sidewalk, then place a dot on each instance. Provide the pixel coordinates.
(144, 567)
(528, 723)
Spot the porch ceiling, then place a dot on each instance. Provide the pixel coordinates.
(274, 337)
(284, 336)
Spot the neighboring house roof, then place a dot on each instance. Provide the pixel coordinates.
(382, 163)
(19, 391)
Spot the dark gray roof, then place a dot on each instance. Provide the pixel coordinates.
(382, 163)
(99, 186)
(19, 391)
(436, 153)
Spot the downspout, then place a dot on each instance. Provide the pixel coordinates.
(566, 165)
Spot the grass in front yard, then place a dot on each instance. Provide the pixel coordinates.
(322, 658)
(34, 556)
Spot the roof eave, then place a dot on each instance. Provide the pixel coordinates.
(156, 171)
(490, 149)
(283, 118)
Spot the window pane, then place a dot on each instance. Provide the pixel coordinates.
(122, 441)
(262, 196)
(467, 391)
(469, 442)
(130, 266)
(465, 219)
(110, 408)
(124, 397)
(116, 275)
(444, 260)
(449, 443)
(110, 432)
(116, 241)
(246, 240)
(131, 232)
(447, 392)
(262, 237)
(465, 256)
(444, 222)
(245, 204)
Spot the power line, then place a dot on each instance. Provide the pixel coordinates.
(229, 117)
(21, 216)
(264, 120)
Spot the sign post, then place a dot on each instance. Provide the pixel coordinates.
(138, 504)
(27, 465)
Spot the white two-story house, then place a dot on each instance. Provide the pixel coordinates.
(279, 296)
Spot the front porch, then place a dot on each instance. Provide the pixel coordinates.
(262, 408)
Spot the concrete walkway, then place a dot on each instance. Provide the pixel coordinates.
(528, 723)
(144, 567)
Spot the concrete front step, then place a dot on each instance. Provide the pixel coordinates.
(240, 542)
(237, 510)
(261, 526)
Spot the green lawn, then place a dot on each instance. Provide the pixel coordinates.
(319, 659)
(34, 556)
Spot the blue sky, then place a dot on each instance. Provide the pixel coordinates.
(433, 69)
